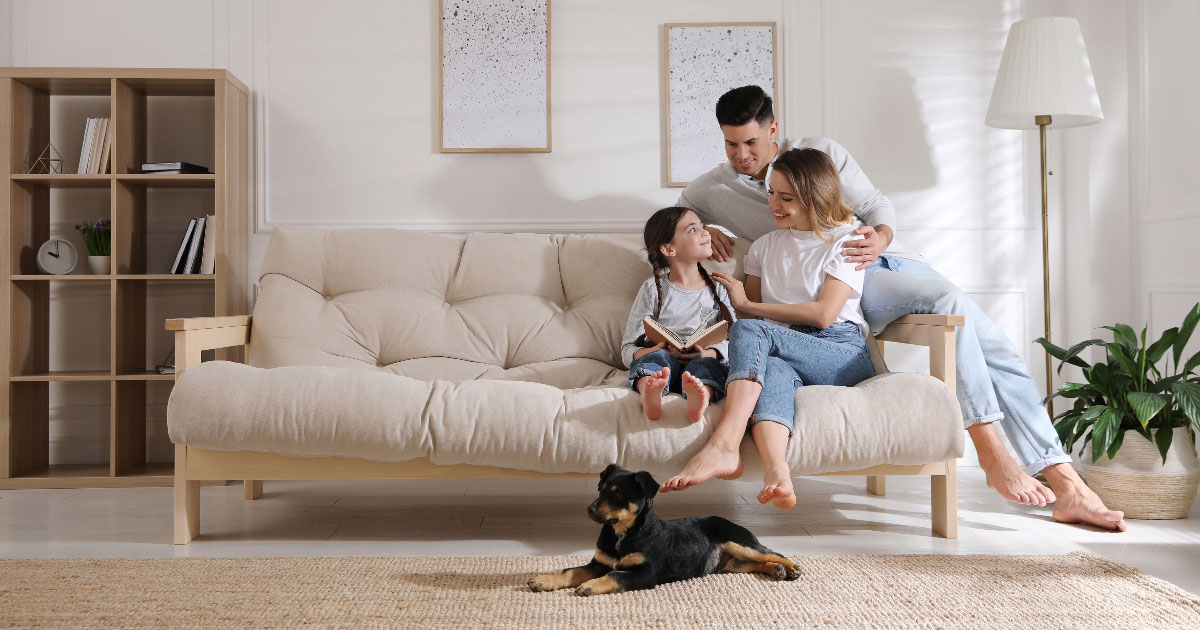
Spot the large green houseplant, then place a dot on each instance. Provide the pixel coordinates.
(1132, 389)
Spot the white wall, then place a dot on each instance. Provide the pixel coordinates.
(346, 111)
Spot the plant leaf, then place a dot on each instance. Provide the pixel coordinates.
(1163, 439)
(1159, 348)
(1072, 355)
(1187, 394)
(1124, 335)
(1146, 405)
(1103, 433)
(1116, 444)
(1121, 354)
(1191, 364)
(1185, 331)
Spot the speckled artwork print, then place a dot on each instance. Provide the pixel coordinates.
(494, 74)
(704, 62)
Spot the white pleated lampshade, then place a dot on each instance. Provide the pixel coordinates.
(1044, 72)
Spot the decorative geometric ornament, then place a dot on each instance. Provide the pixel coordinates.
(48, 162)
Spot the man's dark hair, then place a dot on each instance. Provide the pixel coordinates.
(741, 105)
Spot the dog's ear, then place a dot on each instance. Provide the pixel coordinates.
(647, 483)
(612, 468)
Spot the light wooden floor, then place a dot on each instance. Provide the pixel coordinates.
(546, 517)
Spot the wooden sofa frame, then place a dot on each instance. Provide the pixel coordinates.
(193, 465)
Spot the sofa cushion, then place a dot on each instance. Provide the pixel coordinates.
(315, 411)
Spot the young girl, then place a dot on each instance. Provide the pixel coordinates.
(682, 297)
(811, 330)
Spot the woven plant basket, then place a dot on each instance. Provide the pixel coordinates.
(1137, 482)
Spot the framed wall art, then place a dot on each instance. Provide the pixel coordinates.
(495, 76)
(702, 62)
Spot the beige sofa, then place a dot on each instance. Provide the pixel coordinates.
(385, 353)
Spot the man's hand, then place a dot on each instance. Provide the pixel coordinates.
(865, 250)
(722, 245)
(735, 288)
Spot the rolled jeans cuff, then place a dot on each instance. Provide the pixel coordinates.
(744, 375)
(988, 419)
(767, 417)
(1046, 462)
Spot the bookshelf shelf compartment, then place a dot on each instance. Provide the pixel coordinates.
(169, 181)
(194, 115)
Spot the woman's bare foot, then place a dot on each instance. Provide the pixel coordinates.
(651, 388)
(1077, 503)
(777, 488)
(698, 394)
(1003, 474)
(711, 461)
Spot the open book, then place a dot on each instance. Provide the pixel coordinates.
(704, 337)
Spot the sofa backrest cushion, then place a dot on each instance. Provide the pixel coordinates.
(378, 298)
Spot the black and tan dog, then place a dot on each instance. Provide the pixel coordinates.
(638, 550)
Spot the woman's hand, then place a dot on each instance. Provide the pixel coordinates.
(735, 288)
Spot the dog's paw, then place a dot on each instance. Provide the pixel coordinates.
(585, 591)
(783, 572)
(542, 583)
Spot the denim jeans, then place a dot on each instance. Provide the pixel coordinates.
(784, 359)
(710, 371)
(992, 380)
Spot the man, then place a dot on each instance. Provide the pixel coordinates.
(993, 382)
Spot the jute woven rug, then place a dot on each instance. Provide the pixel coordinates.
(916, 591)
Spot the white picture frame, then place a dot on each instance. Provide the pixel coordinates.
(494, 76)
(702, 61)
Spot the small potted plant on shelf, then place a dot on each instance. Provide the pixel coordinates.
(98, 238)
(1153, 474)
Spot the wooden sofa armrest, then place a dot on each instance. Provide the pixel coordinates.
(934, 331)
(196, 334)
(197, 323)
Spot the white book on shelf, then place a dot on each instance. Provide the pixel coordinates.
(208, 262)
(183, 247)
(85, 146)
(194, 248)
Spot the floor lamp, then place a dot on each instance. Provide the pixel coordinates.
(1045, 81)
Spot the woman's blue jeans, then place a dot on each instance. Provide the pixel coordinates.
(992, 380)
(784, 359)
(710, 371)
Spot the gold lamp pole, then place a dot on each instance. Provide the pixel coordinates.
(1044, 77)
(1042, 122)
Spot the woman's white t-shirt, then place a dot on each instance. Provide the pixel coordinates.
(793, 264)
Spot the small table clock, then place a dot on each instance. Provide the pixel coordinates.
(57, 257)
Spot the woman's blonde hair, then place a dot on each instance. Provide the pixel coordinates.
(818, 188)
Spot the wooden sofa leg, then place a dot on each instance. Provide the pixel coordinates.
(944, 491)
(877, 485)
(187, 500)
(253, 489)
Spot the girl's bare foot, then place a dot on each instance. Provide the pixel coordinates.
(651, 388)
(711, 461)
(777, 489)
(698, 394)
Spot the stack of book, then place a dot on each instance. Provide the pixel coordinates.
(97, 147)
(176, 168)
(197, 252)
